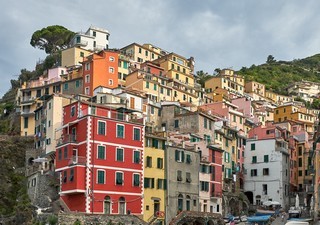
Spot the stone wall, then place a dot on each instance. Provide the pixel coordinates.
(88, 219)
(41, 189)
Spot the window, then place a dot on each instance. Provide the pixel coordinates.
(136, 134)
(101, 152)
(254, 159)
(87, 65)
(265, 189)
(180, 202)
(26, 122)
(159, 163)
(65, 86)
(149, 161)
(300, 173)
(136, 157)
(188, 159)
(110, 82)
(73, 111)
(254, 173)
(204, 186)
(71, 175)
(111, 59)
(265, 171)
(160, 184)
(179, 175)
(136, 180)
(87, 79)
(147, 84)
(120, 131)
(111, 70)
(176, 123)
(101, 176)
(94, 34)
(300, 162)
(266, 158)
(205, 123)
(101, 127)
(154, 87)
(120, 154)
(148, 182)
(188, 177)
(253, 146)
(65, 153)
(226, 157)
(179, 156)
(119, 178)
(65, 176)
(87, 91)
(300, 151)
(60, 154)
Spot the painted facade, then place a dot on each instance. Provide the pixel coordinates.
(100, 160)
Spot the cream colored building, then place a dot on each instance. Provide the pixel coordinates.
(228, 80)
(73, 56)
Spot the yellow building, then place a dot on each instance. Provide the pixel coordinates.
(73, 56)
(155, 182)
(142, 53)
(278, 99)
(295, 113)
(228, 80)
(123, 68)
(255, 87)
(180, 70)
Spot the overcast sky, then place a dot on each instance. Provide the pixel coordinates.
(218, 34)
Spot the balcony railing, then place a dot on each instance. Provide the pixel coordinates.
(27, 99)
(113, 115)
(81, 43)
(69, 138)
(77, 160)
(216, 194)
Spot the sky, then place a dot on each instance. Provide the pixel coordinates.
(218, 34)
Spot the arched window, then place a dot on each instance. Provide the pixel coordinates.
(122, 205)
(188, 207)
(180, 202)
(107, 205)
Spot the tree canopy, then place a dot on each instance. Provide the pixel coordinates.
(202, 77)
(51, 39)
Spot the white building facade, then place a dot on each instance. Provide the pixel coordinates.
(267, 171)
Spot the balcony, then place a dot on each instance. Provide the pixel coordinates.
(65, 139)
(115, 115)
(26, 112)
(81, 43)
(27, 99)
(216, 194)
(77, 160)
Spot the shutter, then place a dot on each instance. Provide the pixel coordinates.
(211, 169)
(146, 182)
(152, 182)
(182, 156)
(165, 184)
(177, 155)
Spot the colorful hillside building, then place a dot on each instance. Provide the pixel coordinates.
(99, 157)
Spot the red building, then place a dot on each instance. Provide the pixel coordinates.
(216, 155)
(99, 157)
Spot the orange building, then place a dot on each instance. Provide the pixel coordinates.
(100, 69)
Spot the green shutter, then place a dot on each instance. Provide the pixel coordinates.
(176, 155)
(182, 156)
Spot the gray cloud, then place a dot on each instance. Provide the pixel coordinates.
(217, 33)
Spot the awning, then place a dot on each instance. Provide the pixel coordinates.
(40, 160)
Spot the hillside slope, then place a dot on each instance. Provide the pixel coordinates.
(279, 74)
(14, 202)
